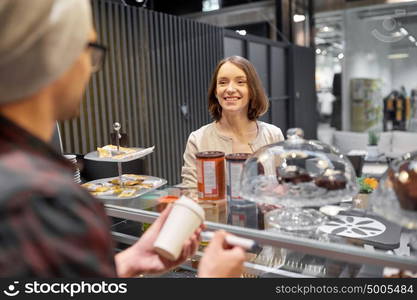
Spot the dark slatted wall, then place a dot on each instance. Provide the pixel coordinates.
(156, 63)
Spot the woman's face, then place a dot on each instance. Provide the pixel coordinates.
(232, 90)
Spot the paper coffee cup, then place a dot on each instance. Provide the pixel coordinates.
(70, 156)
(185, 217)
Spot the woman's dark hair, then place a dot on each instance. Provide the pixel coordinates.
(258, 101)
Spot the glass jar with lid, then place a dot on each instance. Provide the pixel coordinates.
(294, 175)
(396, 195)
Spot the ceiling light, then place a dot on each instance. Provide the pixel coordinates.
(326, 29)
(412, 39)
(398, 56)
(318, 51)
(403, 31)
(340, 56)
(210, 5)
(299, 18)
(241, 32)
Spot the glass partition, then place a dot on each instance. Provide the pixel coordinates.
(345, 247)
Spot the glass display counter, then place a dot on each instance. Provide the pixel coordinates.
(350, 244)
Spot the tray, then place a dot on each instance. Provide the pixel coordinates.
(157, 183)
(367, 228)
(141, 152)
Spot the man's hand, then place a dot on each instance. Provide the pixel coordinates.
(142, 258)
(221, 259)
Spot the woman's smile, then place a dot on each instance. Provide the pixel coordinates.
(232, 98)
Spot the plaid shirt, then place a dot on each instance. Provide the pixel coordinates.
(49, 226)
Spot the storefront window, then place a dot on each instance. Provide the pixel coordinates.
(375, 50)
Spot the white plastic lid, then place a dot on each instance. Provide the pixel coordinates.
(192, 205)
(70, 156)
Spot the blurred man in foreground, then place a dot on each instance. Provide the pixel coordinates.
(49, 226)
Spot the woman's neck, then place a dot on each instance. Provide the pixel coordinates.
(236, 124)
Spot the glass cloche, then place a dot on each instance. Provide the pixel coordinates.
(396, 196)
(298, 173)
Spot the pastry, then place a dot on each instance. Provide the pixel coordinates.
(128, 180)
(110, 151)
(127, 193)
(293, 174)
(331, 180)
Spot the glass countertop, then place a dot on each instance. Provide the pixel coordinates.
(322, 253)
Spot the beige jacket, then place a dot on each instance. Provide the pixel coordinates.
(207, 138)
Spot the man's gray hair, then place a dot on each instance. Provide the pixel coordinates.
(39, 41)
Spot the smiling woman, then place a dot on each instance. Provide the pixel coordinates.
(236, 99)
(232, 90)
(236, 76)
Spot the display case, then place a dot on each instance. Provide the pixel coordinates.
(346, 246)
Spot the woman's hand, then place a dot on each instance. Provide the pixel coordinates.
(142, 258)
(221, 259)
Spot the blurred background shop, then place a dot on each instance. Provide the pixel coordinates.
(327, 66)
(365, 55)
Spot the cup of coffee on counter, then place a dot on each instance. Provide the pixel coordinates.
(184, 219)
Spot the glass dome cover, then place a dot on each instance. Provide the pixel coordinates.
(298, 173)
(396, 195)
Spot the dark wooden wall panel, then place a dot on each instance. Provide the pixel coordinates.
(155, 64)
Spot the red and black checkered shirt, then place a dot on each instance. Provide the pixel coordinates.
(49, 226)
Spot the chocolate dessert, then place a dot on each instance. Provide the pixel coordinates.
(331, 180)
(293, 174)
(405, 185)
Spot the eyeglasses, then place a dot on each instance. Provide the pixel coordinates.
(98, 53)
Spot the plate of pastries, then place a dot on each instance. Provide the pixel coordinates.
(127, 186)
(112, 153)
